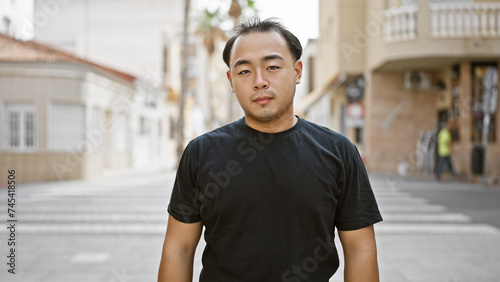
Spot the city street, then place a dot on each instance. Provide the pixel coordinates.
(111, 230)
(111, 91)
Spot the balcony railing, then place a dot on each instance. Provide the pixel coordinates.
(446, 21)
(465, 20)
(400, 24)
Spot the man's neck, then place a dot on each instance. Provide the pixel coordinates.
(282, 124)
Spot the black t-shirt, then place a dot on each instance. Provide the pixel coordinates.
(270, 202)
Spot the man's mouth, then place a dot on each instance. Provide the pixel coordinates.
(262, 100)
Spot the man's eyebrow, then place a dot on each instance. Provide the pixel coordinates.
(241, 62)
(273, 57)
(266, 58)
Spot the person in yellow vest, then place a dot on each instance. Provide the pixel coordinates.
(444, 150)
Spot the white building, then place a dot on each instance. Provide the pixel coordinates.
(64, 117)
(141, 37)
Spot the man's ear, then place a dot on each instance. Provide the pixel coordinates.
(228, 74)
(298, 71)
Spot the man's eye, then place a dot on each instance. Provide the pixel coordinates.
(273, 67)
(244, 72)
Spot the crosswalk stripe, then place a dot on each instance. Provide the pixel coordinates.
(91, 217)
(76, 196)
(421, 217)
(152, 216)
(91, 208)
(415, 208)
(116, 211)
(402, 201)
(85, 228)
(405, 214)
(436, 229)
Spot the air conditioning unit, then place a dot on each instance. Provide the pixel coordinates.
(417, 80)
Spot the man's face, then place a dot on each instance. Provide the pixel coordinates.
(263, 75)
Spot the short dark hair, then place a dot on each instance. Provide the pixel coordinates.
(256, 25)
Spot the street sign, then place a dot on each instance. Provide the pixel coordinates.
(355, 110)
(355, 90)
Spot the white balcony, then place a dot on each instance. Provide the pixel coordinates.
(400, 24)
(465, 20)
(429, 35)
(455, 20)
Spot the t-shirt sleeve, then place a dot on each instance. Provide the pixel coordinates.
(184, 205)
(357, 207)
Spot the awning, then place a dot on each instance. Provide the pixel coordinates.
(333, 82)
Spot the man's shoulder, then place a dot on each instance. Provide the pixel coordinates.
(225, 132)
(320, 131)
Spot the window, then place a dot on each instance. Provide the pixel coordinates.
(19, 126)
(66, 126)
(143, 126)
(121, 139)
(97, 133)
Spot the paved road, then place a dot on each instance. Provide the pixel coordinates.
(107, 230)
(429, 238)
(112, 229)
(481, 204)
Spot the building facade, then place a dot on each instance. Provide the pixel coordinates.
(393, 72)
(64, 117)
(144, 38)
(140, 37)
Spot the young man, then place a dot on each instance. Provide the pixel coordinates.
(270, 188)
(444, 151)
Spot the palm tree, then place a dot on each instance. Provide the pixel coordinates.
(210, 32)
(236, 9)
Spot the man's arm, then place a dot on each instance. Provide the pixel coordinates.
(360, 254)
(179, 247)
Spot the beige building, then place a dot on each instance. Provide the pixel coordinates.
(64, 117)
(392, 72)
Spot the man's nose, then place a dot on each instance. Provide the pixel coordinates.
(260, 81)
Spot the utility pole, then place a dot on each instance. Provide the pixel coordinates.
(182, 98)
